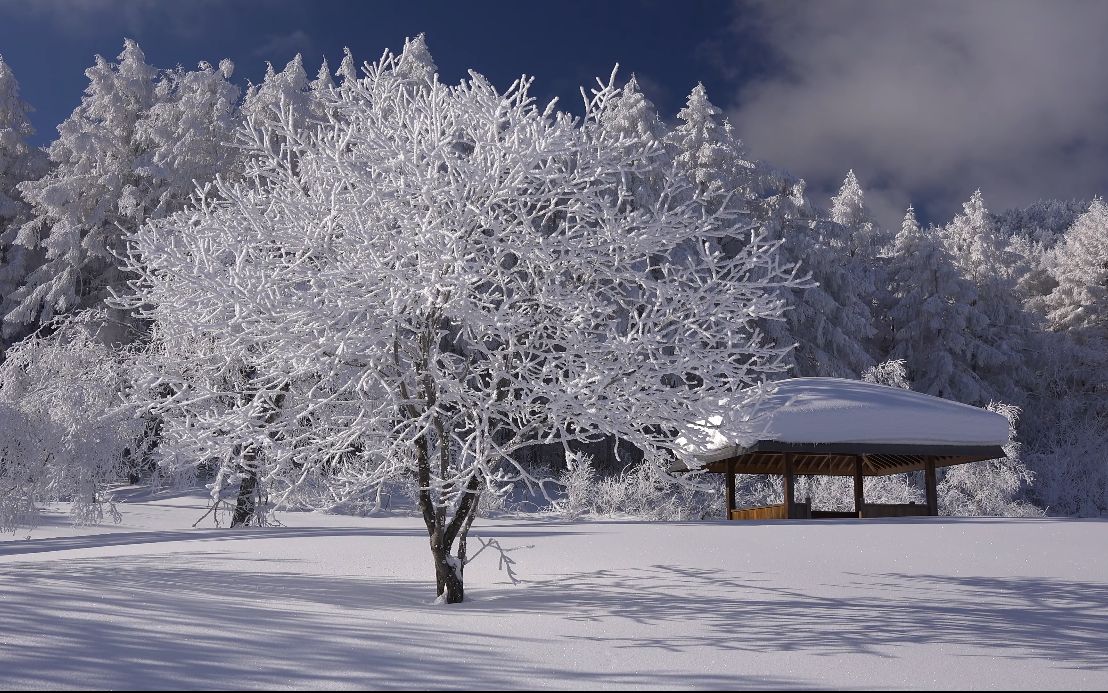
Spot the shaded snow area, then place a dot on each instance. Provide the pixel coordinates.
(834, 410)
(342, 602)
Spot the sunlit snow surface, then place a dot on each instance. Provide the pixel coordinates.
(834, 410)
(341, 602)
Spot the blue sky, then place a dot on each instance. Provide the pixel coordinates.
(926, 101)
(49, 44)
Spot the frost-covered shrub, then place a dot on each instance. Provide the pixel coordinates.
(892, 373)
(1068, 455)
(990, 487)
(837, 492)
(63, 431)
(640, 491)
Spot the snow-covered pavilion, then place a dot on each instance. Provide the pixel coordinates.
(830, 426)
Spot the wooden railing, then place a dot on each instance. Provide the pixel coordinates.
(894, 510)
(803, 511)
(778, 511)
(765, 512)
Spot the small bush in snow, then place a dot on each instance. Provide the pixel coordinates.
(63, 433)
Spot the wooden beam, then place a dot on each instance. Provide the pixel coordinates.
(730, 487)
(790, 487)
(932, 493)
(859, 489)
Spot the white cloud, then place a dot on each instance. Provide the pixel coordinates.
(927, 101)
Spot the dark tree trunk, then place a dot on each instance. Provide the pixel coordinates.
(443, 534)
(450, 582)
(246, 505)
(138, 459)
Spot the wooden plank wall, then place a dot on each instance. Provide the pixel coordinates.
(773, 512)
(765, 512)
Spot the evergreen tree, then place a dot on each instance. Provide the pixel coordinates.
(416, 66)
(82, 207)
(932, 316)
(984, 257)
(848, 209)
(284, 91)
(706, 149)
(831, 321)
(1081, 269)
(19, 162)
(185, 139)
(348, 71)
(630, 117)
(323, 81)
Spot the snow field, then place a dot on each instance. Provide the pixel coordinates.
(344, 602)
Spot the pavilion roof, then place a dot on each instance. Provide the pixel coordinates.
(826, 423)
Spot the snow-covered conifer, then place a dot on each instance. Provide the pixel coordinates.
(632, 118)
(1081, 269)
(185, 139)
(985, 258)
(848, 209)
(287, 90)
(705, 147)
(415, 64)
(829, 320)
(19, 162)
(932, 316)
(81, 207)
(348, 70)
(323, 80)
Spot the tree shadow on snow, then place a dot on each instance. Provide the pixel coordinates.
(142, 622)
(16, 547)
(1063, 622)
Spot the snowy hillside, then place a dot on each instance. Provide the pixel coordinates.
(340, 602)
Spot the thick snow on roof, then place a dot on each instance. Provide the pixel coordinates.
(833, 410)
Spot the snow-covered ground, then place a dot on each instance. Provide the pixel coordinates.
(342, 602)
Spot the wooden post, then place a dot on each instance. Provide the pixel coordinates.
(730, 483)
(859, 489)
(790, 487)
(932, 493)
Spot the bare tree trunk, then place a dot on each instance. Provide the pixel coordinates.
(246, 505)
(449, 569)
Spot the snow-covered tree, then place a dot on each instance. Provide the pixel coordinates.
(976, 243)
(287, 90)
(705, 147)
(415, 66)
(81, 207)
(892, 373)
(64, 432)
(1080, 299)
(348, 70)
(830, 319)
(990, 487)
(632, 118)
(448, 277)
(19, 162)
(999, 341)
(932, 318)
(323, 80)
(185, 139)
(848, 209)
